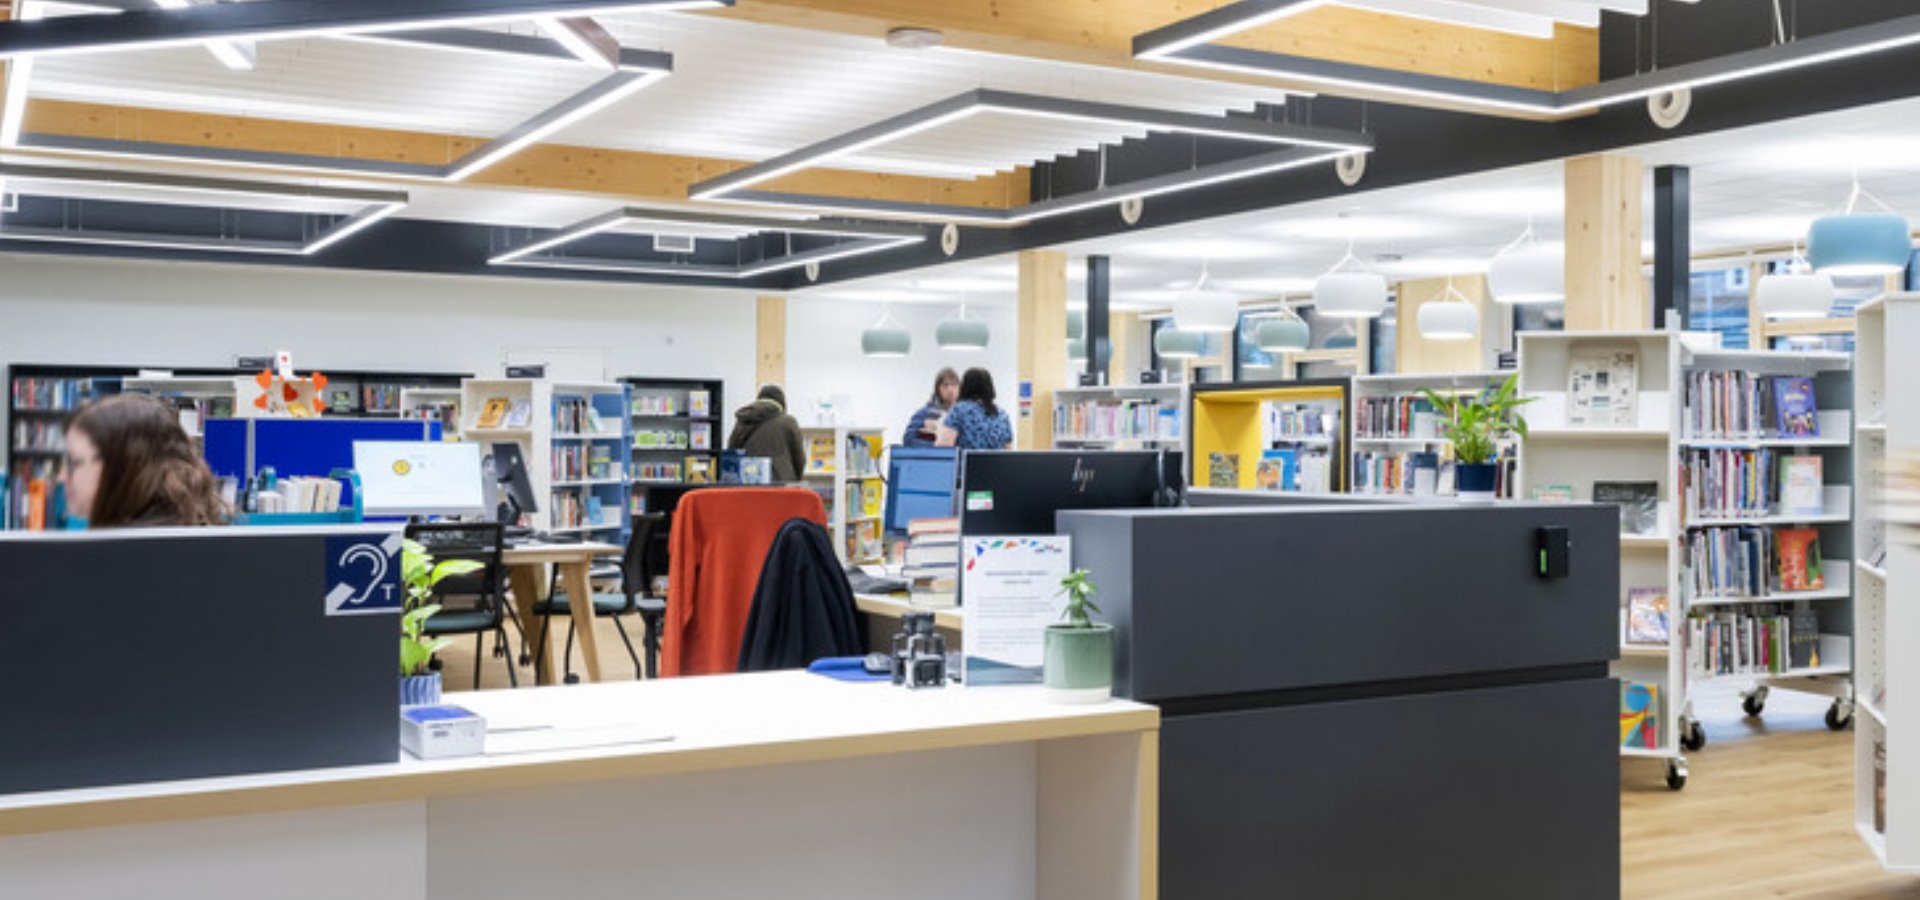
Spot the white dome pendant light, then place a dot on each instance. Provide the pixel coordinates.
(958, 332)
(1527, 271)
(1795, 293)
(1857, 244)
(885, 339)
(1351, 294)
(1201, 310)
(1452, 317)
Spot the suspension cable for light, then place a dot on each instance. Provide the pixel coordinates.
(1527, 271)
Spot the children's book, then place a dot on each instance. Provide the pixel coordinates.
(493, 414)
(1639, 715)
(521, 415)
(1223, 470)
(1649, 618)
(1800, 485)
(1795, 413)
(1274, 471)
(1798, 550)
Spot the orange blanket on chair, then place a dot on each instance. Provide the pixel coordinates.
(719, 541)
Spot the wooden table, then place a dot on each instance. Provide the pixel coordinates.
(525, 566)
(884, 611)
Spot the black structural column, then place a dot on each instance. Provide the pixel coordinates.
(1099, 297)
(1672, 244)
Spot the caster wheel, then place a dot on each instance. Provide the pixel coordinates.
(1694, 737)
(573, 679)
(1676, 775)
(1754, 704)
(1837, 718)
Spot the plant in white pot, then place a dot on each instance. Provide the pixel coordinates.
(1078, 651)
(1476, 424)
(419, 684)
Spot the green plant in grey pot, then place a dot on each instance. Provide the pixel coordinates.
(1476, 424)
(419, 684)
(1079, 651)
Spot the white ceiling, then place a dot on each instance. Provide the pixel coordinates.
(1755, 186)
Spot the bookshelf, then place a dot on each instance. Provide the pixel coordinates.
(1391, 422)
(1887, 672)
(1562, 455)
(1242, 421)
(844, 467)
(573, 436)
(439, 404)
(1734, 461)
(679, 428)
(1123, 417)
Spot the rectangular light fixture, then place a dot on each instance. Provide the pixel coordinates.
(584, 38)
(284, 19)
(235, 55)
(1189, 42)
(374, 206)
(1306, 145)
(868, 238)
(595, 97)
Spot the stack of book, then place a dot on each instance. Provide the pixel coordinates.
(1753, 562)
(932, 561)
(1760, 643)
(1401, 416)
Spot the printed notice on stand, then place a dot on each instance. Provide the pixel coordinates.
(1011, 589)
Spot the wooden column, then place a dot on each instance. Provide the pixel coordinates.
(1125, 328)
(1414, 354)
(1042, 353)
(770, 341)
(1605, 288)
(1756, 320)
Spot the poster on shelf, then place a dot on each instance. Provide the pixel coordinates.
(1010, 587)
(1602, 386)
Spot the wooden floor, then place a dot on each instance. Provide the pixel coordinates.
(1767, 812)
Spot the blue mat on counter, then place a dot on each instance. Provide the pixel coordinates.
(846, 668)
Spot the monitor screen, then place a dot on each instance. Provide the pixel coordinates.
(919, 485)
(414, 478)
(509, 470)
(1013, 492)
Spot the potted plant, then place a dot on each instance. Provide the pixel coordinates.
(419, 684)
(1079, 651)
(1476, 424)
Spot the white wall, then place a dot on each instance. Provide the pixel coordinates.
(823, 357)
(78, 310)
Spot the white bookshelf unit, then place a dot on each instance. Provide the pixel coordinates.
(844, 467)
(1124, 417)
(579, 469)
(1759, 439)
(1392, 421)
(1560, 455)
(1886, 625)
(198, 398)
(443, 404)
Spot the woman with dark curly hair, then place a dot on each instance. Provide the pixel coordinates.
(131, 465)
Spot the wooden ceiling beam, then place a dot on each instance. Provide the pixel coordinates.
(622, 174)
(1101, 32)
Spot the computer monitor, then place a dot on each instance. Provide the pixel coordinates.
(508, 468)
(419, 478)
(1008, 492)
(919, 485)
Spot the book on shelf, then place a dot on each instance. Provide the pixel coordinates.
(699, 469)
(1802, 480)
(698, 403)
(1799, 553)
(1730, 562)
(1752, 642)
(520, 415)
(493, 413)
(1639, 503)
(1640, 715)
(700, 436)
(1722, 483)
(1407, 416)
(820, 454)
(1796, 415)
(1553, 493)
(1727, 404)
(54, 394)
(1649, 616)
(376, 398)
(1223, 470)
(1803, 646)
(864, 541)
(1274, 471)
(1602, 386)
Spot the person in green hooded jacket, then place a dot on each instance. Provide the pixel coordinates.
(764, 428)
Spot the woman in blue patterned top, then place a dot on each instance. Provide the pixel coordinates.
(975, 423)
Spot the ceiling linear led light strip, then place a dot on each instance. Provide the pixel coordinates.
(871, 238)
(633, 70)
(285, 19)
(1306, 144)
(1189, 42)
(375, 207)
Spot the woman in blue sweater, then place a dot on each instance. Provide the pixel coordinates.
(924, 428)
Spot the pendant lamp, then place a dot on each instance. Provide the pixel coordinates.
(1855, 243)
(885, 338)
(1350, 294)
(1527, 271)
(1172, 343)
(1453, 317)
(1796, 293)
(1284, 333)
(958, 332)
(1205, 311)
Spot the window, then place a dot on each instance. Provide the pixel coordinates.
(1717, 301)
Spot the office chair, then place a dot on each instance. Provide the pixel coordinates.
(636, 578)
(481, 542)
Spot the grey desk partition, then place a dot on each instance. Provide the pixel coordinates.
(1371, 700)
(148, 655)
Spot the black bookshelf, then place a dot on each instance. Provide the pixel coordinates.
(674, 418)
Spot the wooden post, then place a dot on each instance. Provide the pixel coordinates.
(1125, 328)
(770, 341)
(1757, 338)
(1414, 354)
(1042, 348)
(1606, 290)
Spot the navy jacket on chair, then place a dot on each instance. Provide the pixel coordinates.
(802, 607)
